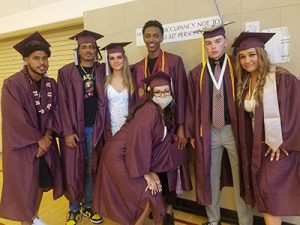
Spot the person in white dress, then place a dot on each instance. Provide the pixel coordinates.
(118, 87)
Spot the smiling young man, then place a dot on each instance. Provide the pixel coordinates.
(81, 103)
(31, 162)
(211, 125)
(160, 60)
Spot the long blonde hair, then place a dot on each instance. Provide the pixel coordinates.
(243, 76)
(126, 75)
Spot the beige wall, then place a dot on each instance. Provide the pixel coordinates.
(119, 23)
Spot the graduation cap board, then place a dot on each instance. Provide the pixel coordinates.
(35, 38)
(216, 29)
(157, 79)
(248, 40)
(86, 36)
(113, 48)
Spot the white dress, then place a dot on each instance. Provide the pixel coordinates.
(118, 108)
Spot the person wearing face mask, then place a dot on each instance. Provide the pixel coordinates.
(178, 179)
(269, 124)
(127, 184)
(211, 125)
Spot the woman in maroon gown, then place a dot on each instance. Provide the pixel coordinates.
(269, 127)
(127, 185)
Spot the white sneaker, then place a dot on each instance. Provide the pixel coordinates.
(38, 221)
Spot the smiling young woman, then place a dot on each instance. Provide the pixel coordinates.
(269, 125)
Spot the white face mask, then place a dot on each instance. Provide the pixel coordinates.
(163, 102)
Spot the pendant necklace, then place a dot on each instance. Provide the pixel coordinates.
(88, 81)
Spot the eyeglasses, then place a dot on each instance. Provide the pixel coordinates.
(159, 93)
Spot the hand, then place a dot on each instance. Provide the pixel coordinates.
(275, 154)
(192, 140)
(181, 137)
(153, 183)
(71, 140)
(39, 152)
(45, 142)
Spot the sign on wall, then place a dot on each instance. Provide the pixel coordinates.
(278, 47)
(182, 31)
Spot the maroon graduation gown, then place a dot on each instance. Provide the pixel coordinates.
(71, 108)
(197, 114)
(20, 134)
(131, 153)
(174, 67)
(273, 186)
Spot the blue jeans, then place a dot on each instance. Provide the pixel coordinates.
(88, 190)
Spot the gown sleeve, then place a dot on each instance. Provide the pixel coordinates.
(181, 91)
(139, 140)
(65, 120)
(17, 128)
(289, 104)
(190, 108)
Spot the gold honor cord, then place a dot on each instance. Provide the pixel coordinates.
(231, 78)
(146, 65)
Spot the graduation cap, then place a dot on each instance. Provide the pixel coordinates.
(36, 40)
(212, 31)
(158, 79)
(248, 40)
(113, 48)
(86, 36)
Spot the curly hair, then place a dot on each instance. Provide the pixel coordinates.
(242, 76)
(35, 46)
(153, 23)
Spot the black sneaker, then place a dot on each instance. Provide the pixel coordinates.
(94, 217)
(73, 218)
(169, 219)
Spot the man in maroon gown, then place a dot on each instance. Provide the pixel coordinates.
(81, 102)
(211, 123)
(159, 60)
(31, 161)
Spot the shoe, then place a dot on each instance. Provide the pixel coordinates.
(169, 219)
(94, 217)
(37, 221)
(73, 218)
(212, 223)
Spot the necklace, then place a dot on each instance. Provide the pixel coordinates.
(36, 93)
(88, 80)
